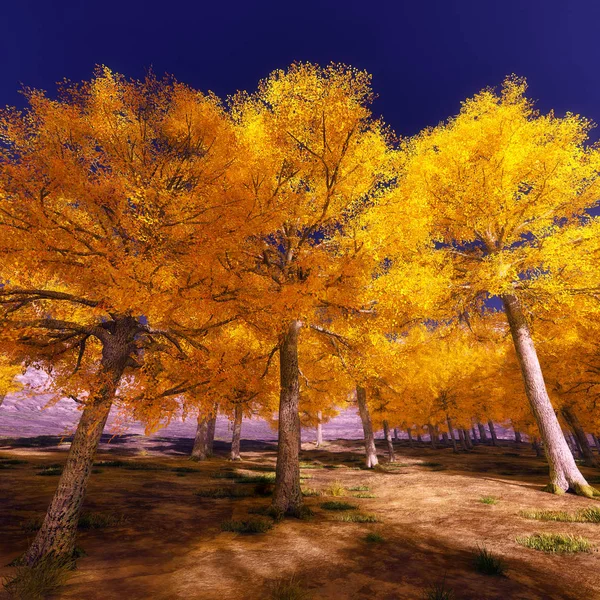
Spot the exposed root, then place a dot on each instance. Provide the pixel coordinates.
(553, 488)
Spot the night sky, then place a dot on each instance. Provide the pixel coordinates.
(425, 56)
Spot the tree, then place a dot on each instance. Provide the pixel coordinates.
(503, 181)
(113, 200)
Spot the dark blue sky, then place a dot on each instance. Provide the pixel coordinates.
(425, 55)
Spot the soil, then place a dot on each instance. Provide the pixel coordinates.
(170, 544)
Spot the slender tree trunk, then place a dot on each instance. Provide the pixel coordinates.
(433, 438)
(474, 432)
(236, 437)
(287, 497)
(388, 441)
(482, 432)
(451, 433)
(319, 429)
(535, 444)
(212, 424)
(365, 417)
(596, 442)
(461, 437)
(396, 434)
(444, 438)
(564, 473)
(518, 439)
(573, 422)
(410, 438)
(200, 451)
(493, 433)
(468, 439)
(419, 438)
(57, 535)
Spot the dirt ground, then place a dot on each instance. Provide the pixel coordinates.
(170, 544)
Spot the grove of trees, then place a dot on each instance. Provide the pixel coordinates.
(282, 252)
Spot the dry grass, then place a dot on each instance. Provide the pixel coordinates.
(556, 542)
(38, 582)
(336, 489)
(333, 505)
(288, 588)
(358, 518)
(584, 515)
(251, 525)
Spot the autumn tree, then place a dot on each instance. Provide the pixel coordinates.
(113, 200)
(503, 180)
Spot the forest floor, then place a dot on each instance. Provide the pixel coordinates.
(165, 542)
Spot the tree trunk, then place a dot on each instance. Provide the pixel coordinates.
(287, 498)
(236, 437)
(319, 429)
(493, 433)
(388, 441)
(580, 436)
(433, 438)
(461, 437)
(212, 424)
(365, 417)
(596, 442)
(482, 432)
(468, 439)
(57, 535)
(395, 434)
(474, 432)
(419, 438)
(535, 444)
(518, 439)
(564, 474)
(410, 438)
(200, 451)
(444, 438)
(451, 432)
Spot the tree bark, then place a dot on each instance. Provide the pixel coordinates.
(564, 473)
(451, 433)
(493, 433)
(433, 438)
(287, 498)
(370, 450)
(468, 439)
(395, 434)
(200, 451)
(388, 441)
(474, 432)
(482, 432)
(319, 429)
(461, 437)
(212, 424)
(236, 436)
(57, 535)
(444, 438)
(573, 422)
(410, 438)
(518, 439)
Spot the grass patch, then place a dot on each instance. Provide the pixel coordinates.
(251, 525)
(363, 495)
(428, 463)
(96, 520)
(336, 489)
(37, 583)
(50, 470)
(308, 492)
(439, 591)
(333, 466)
(359, 488)
(11, 462)
(333, 505)
(358, 518)
(307, 465)
(488, 500)
(265, 478)
(585, 515)
(223, 492)
(555, 542)
(267, 511)
(488, 563)
(374, 538)
(288, 588)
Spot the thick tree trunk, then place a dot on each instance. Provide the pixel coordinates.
(482, 432)
(468, 439)
(57, 535)
(319, 429)
(388, 441)
(200, 451)
(287, 498)
(410, 438)
(493, 433)
(535, 444)
(370, 451)
(451, 432)
(564, 474)
(573, 422)
(433, 438)
(236, 436)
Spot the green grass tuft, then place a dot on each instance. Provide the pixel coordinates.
(585, 515)
(333, 505)
(429, 464)
(265, 478)
(374, 538)
(358, 518)
(488, 500)
(488, 563)
(288, 588)
(439, 591)
(555, 542)
(363, 495)
(50, 470)
(311, 492)
(96, 520)
(336, 489)
(359, 488)
(38, 582)
(251, 525)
